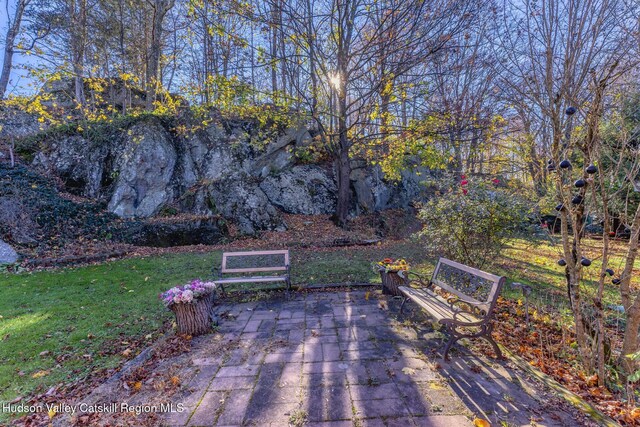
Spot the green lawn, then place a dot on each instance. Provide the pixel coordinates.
(83, 318)
(535, 264)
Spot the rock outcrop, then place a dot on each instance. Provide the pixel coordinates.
(146, 164)
(7, 254)
(228, 168)
(307, 189)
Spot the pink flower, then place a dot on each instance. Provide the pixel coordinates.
(465, 191)
(496, 181)
(463, 177)
(544, 225)
(464, 182)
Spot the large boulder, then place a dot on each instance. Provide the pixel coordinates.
(99, 92)
(308, 190)
(145, 168)
(278, 155)
(17, 123)
(7, 254)
(239, 197)
(375, 193)
(78, 162)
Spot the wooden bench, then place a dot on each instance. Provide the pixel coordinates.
(459, 297)
(240, 267)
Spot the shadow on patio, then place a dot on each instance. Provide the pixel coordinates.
(342, 359)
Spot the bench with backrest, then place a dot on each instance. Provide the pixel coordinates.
(459, 297)
(241, 267)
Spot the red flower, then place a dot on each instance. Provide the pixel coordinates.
(464, 182)
(465, 191)
(463, 177)
(496, 181)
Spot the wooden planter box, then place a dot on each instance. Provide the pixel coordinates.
(390, 282)
(194, 318)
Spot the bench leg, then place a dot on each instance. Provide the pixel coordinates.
(402, 305)
(485, 332)
(489, 338)
(452, 340)
(223, 293)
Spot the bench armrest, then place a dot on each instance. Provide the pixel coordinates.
(419, 279)
(474, 307)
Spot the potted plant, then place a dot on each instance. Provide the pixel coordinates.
(393, 274)
(191, 303)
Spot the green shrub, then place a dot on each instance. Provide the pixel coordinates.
(471, 223)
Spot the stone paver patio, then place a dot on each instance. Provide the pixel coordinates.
(345, 359)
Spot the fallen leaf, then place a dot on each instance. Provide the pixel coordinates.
(479, 422)
(436, 386)
(40, 374)
(137, 386)
(408, 371)
(127, 352)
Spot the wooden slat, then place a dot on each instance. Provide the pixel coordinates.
(252, 279)
(471, 270)
(434, 304)
(253, 270)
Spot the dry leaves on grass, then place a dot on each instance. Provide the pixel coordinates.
(548, 347)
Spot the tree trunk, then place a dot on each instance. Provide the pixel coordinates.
(160, 9)
(312, 61)
(632, 309)
(343, 167)
(274, 53)
(343, 170)
(12, 33)
(193, 318)
(78, 43)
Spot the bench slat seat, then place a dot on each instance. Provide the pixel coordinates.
(467, 309)
(435, 305)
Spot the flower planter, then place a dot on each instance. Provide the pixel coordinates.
(193, 318)
(390, 282)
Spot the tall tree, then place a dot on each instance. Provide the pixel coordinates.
(13, 29)
(353, 41)
(160, 9)
(562, 56)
